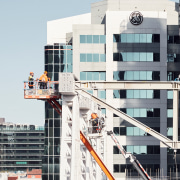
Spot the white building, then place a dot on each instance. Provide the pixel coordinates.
(121, 40)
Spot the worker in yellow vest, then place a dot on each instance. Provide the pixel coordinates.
(30, 80)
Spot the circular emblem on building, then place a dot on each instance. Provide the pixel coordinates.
(136, 18)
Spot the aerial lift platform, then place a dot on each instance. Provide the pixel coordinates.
(67, 86)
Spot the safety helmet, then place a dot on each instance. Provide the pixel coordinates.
(31, 73)
(45, 72)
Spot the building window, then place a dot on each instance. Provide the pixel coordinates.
(174, 39)
(92, 57)
(136, 94)
(136, 75)
(138, 149)
(142, 112)
(136, 38)
(95, 39)
(58, 58)
(169, 113)
(136, 56)
(120, 168)
(102, 94)
(93, 76)
(169, 94)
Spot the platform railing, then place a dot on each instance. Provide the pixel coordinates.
(39, 88)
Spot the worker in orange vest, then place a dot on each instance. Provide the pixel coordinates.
(94, 118)
(43, 80)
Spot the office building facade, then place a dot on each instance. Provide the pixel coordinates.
(21, 147)
(121, 40)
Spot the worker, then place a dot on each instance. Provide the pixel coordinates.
(31, 80)
(94, 120)
(43, 80)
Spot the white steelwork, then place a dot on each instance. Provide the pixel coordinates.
(75, 158)
(77, 106)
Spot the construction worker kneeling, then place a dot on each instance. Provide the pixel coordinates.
(95, 123)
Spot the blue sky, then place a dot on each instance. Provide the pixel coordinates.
(23, 37)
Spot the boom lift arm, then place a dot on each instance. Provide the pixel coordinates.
(132, 158)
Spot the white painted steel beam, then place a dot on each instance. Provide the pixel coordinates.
(164, 139)
(166, 85)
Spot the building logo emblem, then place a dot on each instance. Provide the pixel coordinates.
(136, 18)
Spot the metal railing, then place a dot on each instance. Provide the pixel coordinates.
(41, 88)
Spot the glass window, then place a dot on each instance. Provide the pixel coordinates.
(116, 57)
(103, 39)
(143, 75)
(130, 94)
(115, 150)
(116, 168)
(136, 75)
(129, 56)
(142, 38)
(62, 68)
(156, 38)
(149, 38)
(102, 94)
(95, 76)
(130, 112)
(123, 56)
(116, 130)
(136, 94)
(149, 94)
(116, 93)
(115, 37)
(130, 131)
(96, 39)
(95, 57)
(143, 149)
(89, 38)
(82, 38)
(141, 132)
(123, 38)
(122, 131)
(149, 75)
(150, 149)
(169, 113)
(149, 56)
(69, 68)
(89, 76)
(130, 149)
(136, 56)
(129, 75)
(103, 76)
(103, 111)
(136, 112)
(136, 131)
(136, 150)
(82, 75)
(143, 112)
(169, 131)
(136, 38)
(170, 94)
(102, 57)
(89, 57)
(82, 57)
(142, 56)
(143, 94)
(122, 94)
(130, 38)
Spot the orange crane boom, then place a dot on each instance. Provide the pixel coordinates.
(95, 156)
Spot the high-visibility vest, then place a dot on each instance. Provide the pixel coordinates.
(43, 78)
